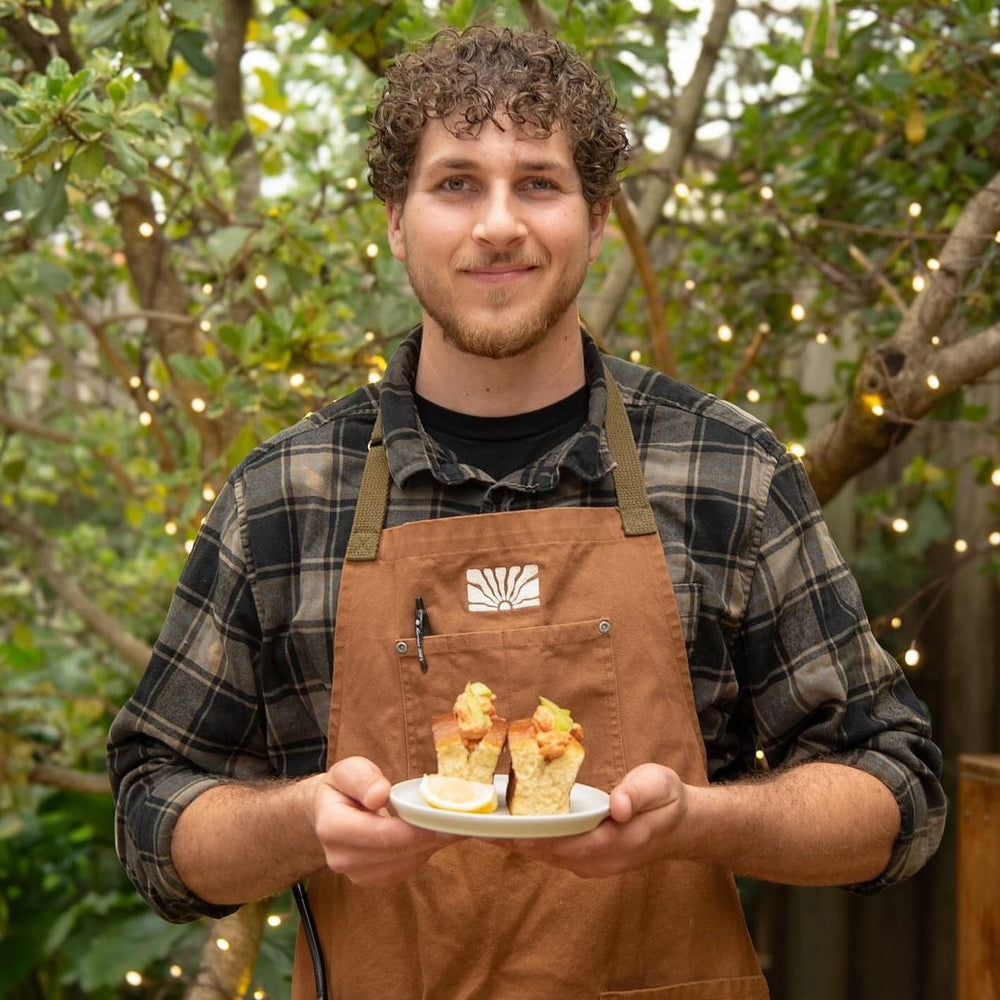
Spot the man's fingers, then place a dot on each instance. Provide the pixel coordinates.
(647, 787)
(360, 779)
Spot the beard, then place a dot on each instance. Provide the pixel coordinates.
(499, 325)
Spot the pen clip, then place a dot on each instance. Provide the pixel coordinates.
(421, 627)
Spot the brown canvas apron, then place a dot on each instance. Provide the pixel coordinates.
(572, 603)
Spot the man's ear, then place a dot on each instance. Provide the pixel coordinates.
(394, 216)
(599, 212)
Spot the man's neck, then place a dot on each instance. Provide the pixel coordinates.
(488, 387)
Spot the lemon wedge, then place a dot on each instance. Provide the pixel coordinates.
(458, 794)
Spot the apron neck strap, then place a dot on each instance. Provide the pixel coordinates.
(633, 502)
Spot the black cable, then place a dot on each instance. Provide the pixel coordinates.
(312, 938)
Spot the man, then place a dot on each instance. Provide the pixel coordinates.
(692, 611)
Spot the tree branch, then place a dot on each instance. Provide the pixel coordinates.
(663, 348)
(896, 372)
(107, 626)
(682, 130)
(68, 780)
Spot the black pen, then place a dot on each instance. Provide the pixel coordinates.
(421, 627)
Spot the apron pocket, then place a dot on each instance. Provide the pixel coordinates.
(571, 664)
(744, 988)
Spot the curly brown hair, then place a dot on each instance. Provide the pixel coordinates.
(466, 78)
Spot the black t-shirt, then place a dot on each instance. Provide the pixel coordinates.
(501, 445)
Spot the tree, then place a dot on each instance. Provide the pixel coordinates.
(189, 260)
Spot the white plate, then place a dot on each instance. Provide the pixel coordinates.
(587, 807)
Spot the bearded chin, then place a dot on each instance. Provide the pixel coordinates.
(506, 331)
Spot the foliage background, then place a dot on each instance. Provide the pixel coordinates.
(190, 259)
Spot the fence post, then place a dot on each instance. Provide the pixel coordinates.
(979, 877)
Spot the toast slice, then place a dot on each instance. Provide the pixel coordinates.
(546, 753)
(469, 738)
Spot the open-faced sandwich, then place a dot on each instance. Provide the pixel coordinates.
(546, 752)
(469, 738)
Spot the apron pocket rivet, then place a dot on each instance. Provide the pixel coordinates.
(401, 647)
(605, 627)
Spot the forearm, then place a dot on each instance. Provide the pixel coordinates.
(238, 842)
(814, 824)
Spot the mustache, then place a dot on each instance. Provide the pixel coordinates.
(479, 262)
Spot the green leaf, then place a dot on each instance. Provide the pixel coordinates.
(227, 243)
(42, 24)
(156, 35)
(54, 203)
(88, 162)
(190, 46)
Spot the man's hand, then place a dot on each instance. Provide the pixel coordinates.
(648, 806)
(360, 839)
(818, 823)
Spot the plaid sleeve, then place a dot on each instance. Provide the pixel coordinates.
(194, 719)
(820, 685)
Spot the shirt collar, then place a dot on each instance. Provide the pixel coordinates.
(411, 450)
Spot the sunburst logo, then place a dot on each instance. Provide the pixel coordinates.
(503, 588)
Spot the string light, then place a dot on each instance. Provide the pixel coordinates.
(874, 402)
(915, 209)
(935, 341)
(796, 449)
(207, 288)
(133, 978)
(170, 528)
(724, 332)
(274, 920)
(689, 285)
(919, 283)
(198, 405)
(146, 229)
(798, 312)
(933, 382)
(896, 622)
(134, 382)
(822, 338)
(153, 395)
(145, 418)
(635, 357)
(207, 493)
(996, 238)
(933, 264)
(767, 192)
(900, 525)
(369, 336)
(296, 380)
(682, 190)
(176, 971)
(189, 545)
(371, 251)
(205, 325)
(753, 395)
(995, 477)
(222, 944)
(759, 754)
(260, 282)
(994, 538)
(351, 184)
(912, 656)
(961, 545)
(373, 377)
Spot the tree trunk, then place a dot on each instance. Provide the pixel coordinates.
(230, 954)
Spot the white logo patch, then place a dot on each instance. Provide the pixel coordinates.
(503, 588)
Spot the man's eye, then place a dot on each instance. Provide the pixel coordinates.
(454, 184)
(540, 184)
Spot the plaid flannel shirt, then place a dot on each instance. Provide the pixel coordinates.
(781, 655)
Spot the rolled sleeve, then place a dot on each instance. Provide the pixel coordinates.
(194, 720)
(823, 688)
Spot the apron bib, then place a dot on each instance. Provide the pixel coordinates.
(572, 603)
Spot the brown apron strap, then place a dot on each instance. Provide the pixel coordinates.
(373, 498)
(633, 502)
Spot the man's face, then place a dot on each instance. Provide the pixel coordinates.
(496, 237)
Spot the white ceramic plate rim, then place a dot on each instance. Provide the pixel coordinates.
(587, 807)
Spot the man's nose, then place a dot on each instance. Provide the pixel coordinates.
(499, 222)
